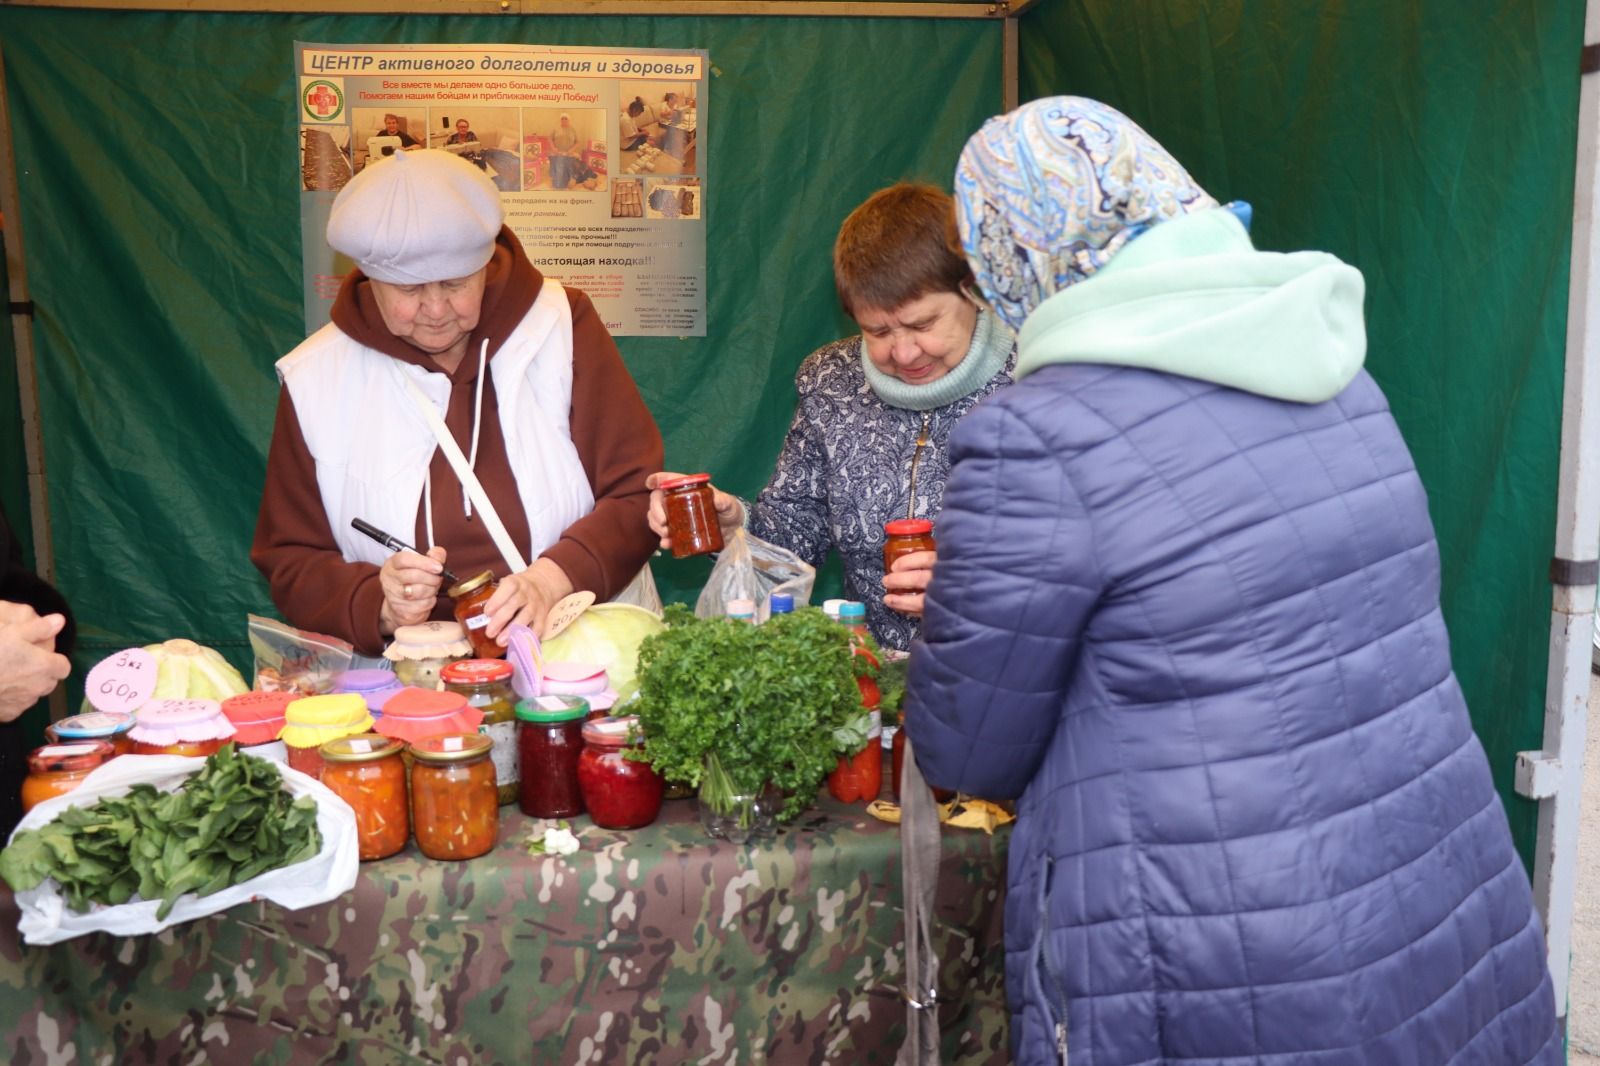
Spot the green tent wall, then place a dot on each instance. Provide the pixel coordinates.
(1431, 145)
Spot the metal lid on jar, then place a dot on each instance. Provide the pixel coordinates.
(451, 748)
(362, 747)
(476, 672)
(908, 527)
(683, 482)
(552, 709)
(610, 732)
(471, 584)
(76, 758)
(93, 724)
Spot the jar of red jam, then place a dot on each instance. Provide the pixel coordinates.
(486, 685)
(691, 508)
(455, 812)
(470, 598)
(366, 772)
(109, 726)
(549, 743)
(56, 769)
(905, 536)
(620, 793)
(180, 727)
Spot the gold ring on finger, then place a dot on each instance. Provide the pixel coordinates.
(407, 591)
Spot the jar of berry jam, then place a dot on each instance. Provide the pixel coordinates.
(691, 508)
(549, 744)
(455, 812)
(620, 793)
(471, 596)
(56, 769)
(904, 537)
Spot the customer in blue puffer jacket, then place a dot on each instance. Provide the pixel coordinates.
(1186, 607)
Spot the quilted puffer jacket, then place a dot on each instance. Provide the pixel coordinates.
(1187, 609)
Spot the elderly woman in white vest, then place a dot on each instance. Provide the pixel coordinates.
(461, 401)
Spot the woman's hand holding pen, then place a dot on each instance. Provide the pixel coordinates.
(411, 585)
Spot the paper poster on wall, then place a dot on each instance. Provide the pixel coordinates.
(597, 153)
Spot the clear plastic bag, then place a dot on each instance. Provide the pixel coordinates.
(293, 660)
(750, 568)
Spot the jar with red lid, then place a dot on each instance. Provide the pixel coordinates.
(486, 685)
(258, 717)
(109, 726)
(620, 793)
(56, 769)
(549, 744)
(906, 536)
(366, 772)
(691, 508)
(455, 812)
(471, 596)
(180, 727)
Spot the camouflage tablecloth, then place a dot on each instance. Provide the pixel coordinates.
(656, 946)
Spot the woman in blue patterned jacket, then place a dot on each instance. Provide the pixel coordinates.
(867, 444)
(1187, 608)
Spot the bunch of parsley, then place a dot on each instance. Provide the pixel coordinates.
(770, 704)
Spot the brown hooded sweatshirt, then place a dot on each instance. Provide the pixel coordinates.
(615, 436)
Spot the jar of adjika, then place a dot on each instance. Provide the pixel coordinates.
(471, 596)
(419, 652)
(691, 508)
(366, 772)
(312, 721)
(619, 792)
(56, 769)
(180, 727)
(549, 743)
(905, 537)
(486, 684)
(373, 686)
(109, 726)
(455, 811)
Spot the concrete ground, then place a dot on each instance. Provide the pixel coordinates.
(1583, 1004)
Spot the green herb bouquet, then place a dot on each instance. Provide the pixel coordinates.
(735, 708)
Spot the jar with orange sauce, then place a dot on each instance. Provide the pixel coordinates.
(367, 772)
(471, 596)
(109, 726)
(906, 536)
(180, 727)
(690, 503)
(455, 806)
(56, 769)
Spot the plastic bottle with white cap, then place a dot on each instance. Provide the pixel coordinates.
(831, 608)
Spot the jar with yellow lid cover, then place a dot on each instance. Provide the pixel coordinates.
(311, 721)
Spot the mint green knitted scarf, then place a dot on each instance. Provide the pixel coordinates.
(986, 356)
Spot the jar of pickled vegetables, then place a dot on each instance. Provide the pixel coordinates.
(691, 508)
(109, 726)
(904, 537)
(180, 727)
(366, 772)
(486, 684)
(419, 652)
(455, 812)
(471, 596)
(312, 721)
(56, 769)
(549, 743)
(620, 793)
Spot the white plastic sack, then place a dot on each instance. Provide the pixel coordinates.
(325, 876)
(750, 568)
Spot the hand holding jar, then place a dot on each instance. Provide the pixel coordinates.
(729, 512)
(525, 598)
(411, 583)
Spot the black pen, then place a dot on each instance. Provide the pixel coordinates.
(394, 544)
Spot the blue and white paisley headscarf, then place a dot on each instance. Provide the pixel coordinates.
(1048, 193)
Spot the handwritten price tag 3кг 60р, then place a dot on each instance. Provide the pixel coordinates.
(122, 682)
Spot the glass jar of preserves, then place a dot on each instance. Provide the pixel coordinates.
(374, 686)
(904, 537)
(366, 772)
(56, 769)
(620, 793)
(419, 652)
(455, 812)
(691, 515)
(486, 685)
(470, 597)
(549, 743)
(312, 721)
(180, 727)
(109, 726)
(257, 717)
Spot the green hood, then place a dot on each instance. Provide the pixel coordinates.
(1193, 297)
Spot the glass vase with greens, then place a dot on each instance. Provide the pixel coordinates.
(754, 716)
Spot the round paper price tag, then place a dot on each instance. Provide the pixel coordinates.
(565, 612)
(123, 682)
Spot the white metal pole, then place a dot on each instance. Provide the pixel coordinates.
(1554, 776)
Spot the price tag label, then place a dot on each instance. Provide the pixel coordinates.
(551, 703)
(362, 746)
(566, 611)
(451, 744)
(122, 682)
